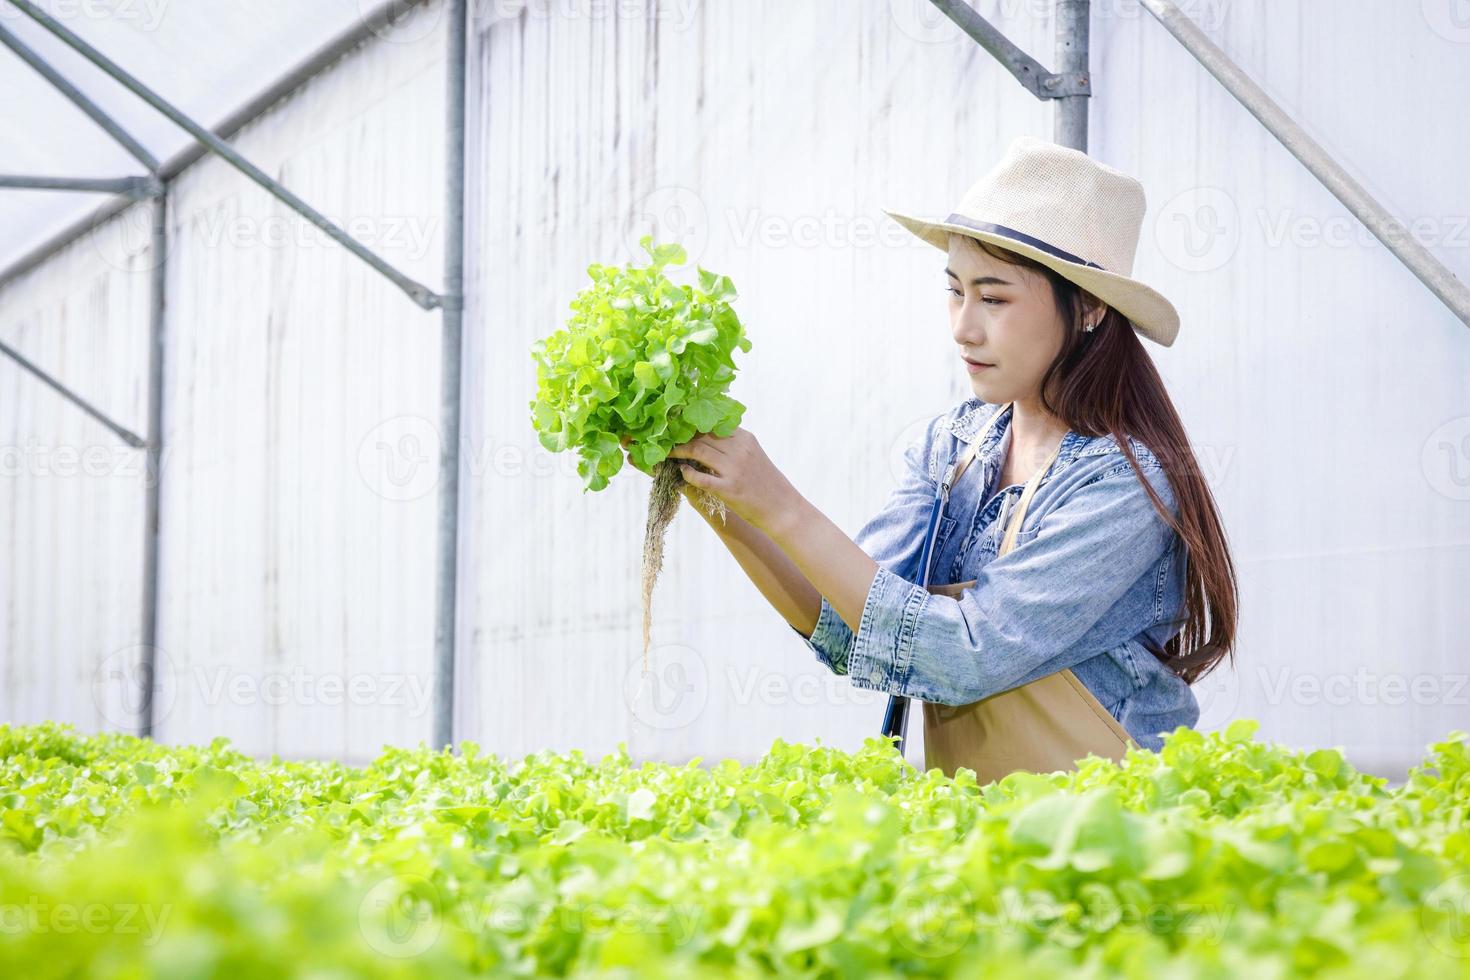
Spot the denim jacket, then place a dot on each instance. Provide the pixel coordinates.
(1093, 573)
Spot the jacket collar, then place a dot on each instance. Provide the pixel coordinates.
(967, 421)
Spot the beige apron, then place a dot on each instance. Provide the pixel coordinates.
(1044, 726)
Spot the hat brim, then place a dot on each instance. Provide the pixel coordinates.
(1151, 314)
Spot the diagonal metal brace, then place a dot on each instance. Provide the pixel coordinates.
(1387, 228)
(1032, 74)
(79, 99)
(125, 434)
(419, 293)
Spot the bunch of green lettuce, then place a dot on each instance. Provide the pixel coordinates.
(641, 356)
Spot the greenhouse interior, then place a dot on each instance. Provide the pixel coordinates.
(416, 562)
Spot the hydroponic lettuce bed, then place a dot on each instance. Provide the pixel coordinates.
(1219, 856)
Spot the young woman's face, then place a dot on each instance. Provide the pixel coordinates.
(1004, 316)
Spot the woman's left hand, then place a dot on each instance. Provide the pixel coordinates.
(742, 475)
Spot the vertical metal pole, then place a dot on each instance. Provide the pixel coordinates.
(451, 360)
(1069, 126)
(153, 466)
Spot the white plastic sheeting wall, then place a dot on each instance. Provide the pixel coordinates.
(72, 493)
(1323, 387)
(298, 581)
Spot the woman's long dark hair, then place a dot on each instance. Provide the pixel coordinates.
(1104, 382)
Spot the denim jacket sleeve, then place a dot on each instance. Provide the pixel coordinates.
(1028, 610)
(893, 538)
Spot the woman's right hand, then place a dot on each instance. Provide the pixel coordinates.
(685, 487)
(625, 440)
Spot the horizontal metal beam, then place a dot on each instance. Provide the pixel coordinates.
(134, 188)
(1388, 229)
(419, 293)
(1032, 74)
(79, 99)
(126, 435)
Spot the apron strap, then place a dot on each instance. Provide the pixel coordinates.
(964, 461)
(1013, 527)
(1019, 515)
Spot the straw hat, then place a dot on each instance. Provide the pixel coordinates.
(1069, 212)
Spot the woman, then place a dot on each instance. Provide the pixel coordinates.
(1088, 577)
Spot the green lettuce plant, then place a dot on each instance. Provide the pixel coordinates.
(1218, 856)
(648, 362)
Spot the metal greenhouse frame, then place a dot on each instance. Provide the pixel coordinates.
(155, 187)
(1070, 86)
